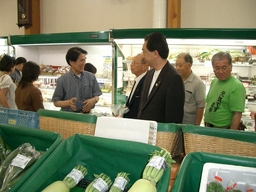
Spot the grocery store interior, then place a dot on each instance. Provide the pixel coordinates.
(112, 32)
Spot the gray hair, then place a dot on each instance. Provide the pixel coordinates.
(220, 56)
(187, 57)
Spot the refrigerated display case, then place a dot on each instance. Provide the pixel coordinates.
(4, 47)
(49, 50)
(200, 43)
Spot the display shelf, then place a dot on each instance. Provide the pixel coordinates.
(47, 83)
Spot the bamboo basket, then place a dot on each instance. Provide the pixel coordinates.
(66, 123)
(216, 140)
(169, 137)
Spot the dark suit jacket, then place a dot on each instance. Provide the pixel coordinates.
(133, 105)
(166, 100)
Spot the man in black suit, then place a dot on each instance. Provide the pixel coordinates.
(162, 98)
(139, 68)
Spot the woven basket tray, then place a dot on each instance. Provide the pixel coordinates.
(165, 140)
(213, 144)
(66, 128)
(170, 137)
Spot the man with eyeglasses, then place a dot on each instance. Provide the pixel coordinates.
(225, 100)
(139, 68)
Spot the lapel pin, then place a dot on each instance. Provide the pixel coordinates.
(158, 83)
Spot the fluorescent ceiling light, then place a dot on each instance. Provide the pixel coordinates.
(230, 42)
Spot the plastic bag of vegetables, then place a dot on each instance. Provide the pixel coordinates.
(120, 182)
(69, 182)
(153, 171)
(215, 184)
(16, 164)
(4, 150)
(101, 183)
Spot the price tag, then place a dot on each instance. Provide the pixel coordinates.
(76, 175)
(157, 162)
(20, 161)
(120, 183)
(100, 185)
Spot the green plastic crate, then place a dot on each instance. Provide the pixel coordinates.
(189, 174)
(42, 141)
(99, 155)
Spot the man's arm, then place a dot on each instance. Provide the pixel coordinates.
(236, 120)
(199, 115)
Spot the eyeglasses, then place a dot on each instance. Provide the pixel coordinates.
(135, 63)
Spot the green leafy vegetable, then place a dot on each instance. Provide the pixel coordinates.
(214, 186)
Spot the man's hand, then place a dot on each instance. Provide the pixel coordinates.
(71, 103)
(88, 105)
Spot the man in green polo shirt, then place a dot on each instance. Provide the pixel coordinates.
(225, 101)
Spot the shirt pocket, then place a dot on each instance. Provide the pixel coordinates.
(87, 91)
(188, 95)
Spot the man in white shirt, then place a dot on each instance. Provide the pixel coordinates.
(139, 68)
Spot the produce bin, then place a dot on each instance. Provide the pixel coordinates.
(98, 155)
(19, 117)
(42, 141)
(189, 175)
(67, 123)
(217, 140)
(170, 137)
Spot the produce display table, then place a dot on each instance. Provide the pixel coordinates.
(189, 175)
(45, 141)
(98, 155)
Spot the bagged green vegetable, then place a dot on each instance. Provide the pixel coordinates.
(215, 185)
(16, 164)
(4, 150)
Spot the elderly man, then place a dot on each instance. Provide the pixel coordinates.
(194, 90)
(226, 97)
(139, 68)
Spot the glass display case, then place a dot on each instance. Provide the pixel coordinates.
(5, 48)
(49, 51)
